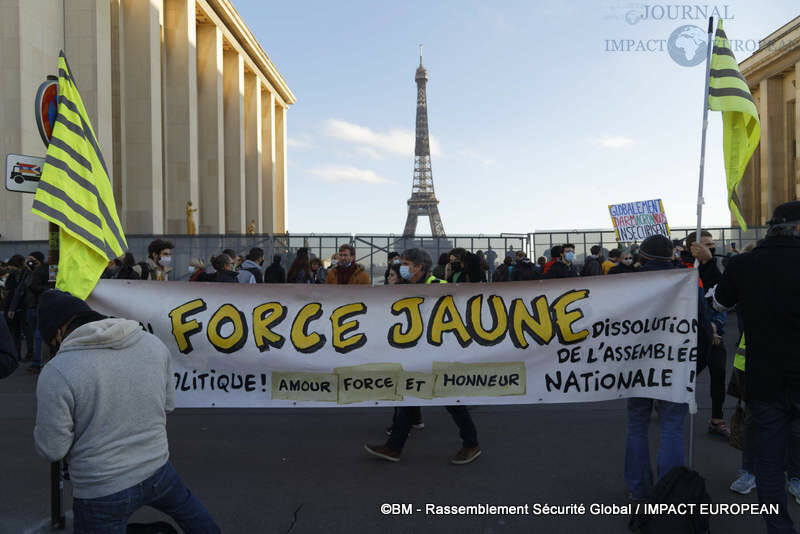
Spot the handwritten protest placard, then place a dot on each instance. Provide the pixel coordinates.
(635, 221)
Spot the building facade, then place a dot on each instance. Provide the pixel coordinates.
(183, 100)
(773, 174)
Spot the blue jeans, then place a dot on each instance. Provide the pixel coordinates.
(638, 473)
(37, 338)
(773, 423)
(164, 491)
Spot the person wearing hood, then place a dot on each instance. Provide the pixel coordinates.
(250, 272)
(223, 264)
(102, 403)
(593, 266)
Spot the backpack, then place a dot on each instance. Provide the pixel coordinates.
(679, 486)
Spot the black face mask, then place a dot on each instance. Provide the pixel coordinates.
(713, 251)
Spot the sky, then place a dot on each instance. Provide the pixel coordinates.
(538, 120)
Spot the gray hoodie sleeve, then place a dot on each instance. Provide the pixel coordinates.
(169, 403)
(55, 429)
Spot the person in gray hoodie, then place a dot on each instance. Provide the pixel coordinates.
(101, 406)
(250, 271)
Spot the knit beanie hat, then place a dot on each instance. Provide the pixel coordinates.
(55, 309)
(656, 247)
(788, 212)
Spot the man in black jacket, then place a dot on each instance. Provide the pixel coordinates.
(275, 273)
(563, 266)
(8, 360)
(765, 285)
(38, 285)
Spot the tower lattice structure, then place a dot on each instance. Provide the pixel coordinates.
(423, 199)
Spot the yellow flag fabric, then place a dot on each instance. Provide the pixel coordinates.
(75, 193)
(741, 130)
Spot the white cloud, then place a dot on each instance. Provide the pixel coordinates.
(616, 141)
(303, 141)
(471, 154)
(395, 142)
(342, 173)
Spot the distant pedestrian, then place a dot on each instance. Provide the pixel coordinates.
(555, 254)
(613, 259)
(505, 271)
(300, 270)
(250, 272)
(159, 260)
(564, 267)
(525, 270)
(275, 273)
(625, 264)
(392, 259)
(593, 265)
(347, 271)
(197, 271)
(223, 264)
(318, 272)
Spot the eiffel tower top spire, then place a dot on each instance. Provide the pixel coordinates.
(423, 199)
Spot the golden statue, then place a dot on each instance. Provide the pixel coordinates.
(191, 229)
(251, 228)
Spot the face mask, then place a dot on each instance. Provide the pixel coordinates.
(191, 269)
(627, 262)
(405, 272)
(334, 263)
(396, 262)
(569, 256)
(165, 260)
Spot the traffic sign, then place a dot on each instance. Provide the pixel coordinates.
(46, 108)
(23, 173)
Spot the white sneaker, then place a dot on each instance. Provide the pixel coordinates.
(746, 482)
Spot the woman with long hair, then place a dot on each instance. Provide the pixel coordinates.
(300, 271)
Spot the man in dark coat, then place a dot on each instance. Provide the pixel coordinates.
(275, 273)
(765, 286)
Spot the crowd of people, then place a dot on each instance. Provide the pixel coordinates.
(71, 423)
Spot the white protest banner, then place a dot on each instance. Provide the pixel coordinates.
(635, 221)
(573, 340)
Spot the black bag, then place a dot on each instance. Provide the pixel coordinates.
(145, 270)
(679, 486)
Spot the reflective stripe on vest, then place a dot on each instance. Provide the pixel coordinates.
(739, 359)
(433, 280)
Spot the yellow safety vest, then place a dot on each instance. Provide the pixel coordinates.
(739, 359)
(433, 280)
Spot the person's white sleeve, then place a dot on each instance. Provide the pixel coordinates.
(54, 431)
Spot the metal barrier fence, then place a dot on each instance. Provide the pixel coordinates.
(372, 250)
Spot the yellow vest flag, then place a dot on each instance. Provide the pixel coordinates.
(741, 130)
(75, 193)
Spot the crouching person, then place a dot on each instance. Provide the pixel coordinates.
(102, 405)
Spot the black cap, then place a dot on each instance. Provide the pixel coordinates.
(656, 247)
(787, 212)
(55, 309)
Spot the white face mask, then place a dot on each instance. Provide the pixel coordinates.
(627, 261)
(191, 269)
(165, 260)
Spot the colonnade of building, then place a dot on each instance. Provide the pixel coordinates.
(185, 103)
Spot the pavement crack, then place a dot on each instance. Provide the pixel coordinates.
(294, 519)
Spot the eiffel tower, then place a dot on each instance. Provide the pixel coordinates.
(423, 199)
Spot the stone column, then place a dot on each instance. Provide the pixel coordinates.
(88, 25)
(268, 160)
(233, 82)
(180, 114)
(117, 162)
(252, 134)
(140, 48)
(773, 151)
(281, 214)
(210, 135)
